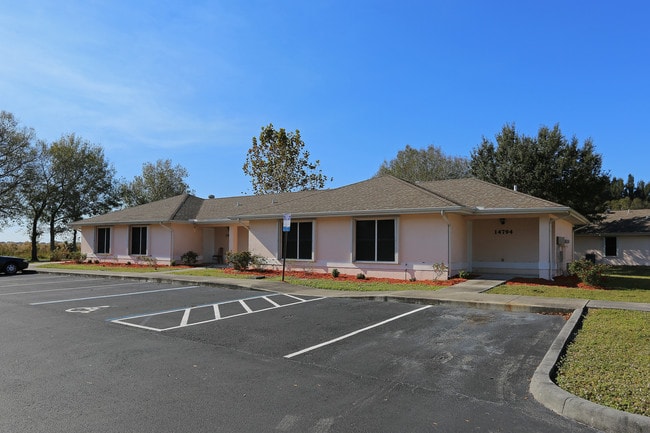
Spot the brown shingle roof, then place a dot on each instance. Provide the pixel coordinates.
(379, 195)
(169, 209)
(476, 193)
(620, 222)
(384, 194)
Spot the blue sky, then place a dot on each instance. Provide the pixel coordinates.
(194, 81)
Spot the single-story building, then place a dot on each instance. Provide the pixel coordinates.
(382, 227)
(621, 238)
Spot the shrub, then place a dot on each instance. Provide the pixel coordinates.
(464, 275)
(439, 269)
(240, 261)
(335, 273)
(361, 276)
(59, 254)
(189, 258)
(588, 272)
(149, 261)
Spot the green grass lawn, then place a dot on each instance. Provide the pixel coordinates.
(622, 283)
(609, 361)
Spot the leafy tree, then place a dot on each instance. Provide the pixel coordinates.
(158, 181)
(425, 164)
(16, 153)
(278, 162)
(547, 166)
(84, 183)
(36, 191)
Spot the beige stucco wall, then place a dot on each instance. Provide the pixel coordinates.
(165, 243)
(264, 240)
(631, 250)
(421, 240)
(508, 248)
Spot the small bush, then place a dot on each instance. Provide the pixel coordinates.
(361, 276)
(335, 273)
(439, 269)
(189, 258)
(588, 272)
(242, 260)
(149, 261)
(59, 254)
(464, 275)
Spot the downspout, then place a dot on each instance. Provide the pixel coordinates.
(552, 254)
(442, 214)
(171, 243)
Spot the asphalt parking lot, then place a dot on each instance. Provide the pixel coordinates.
(87, 354)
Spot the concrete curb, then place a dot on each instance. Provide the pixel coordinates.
(566, 404)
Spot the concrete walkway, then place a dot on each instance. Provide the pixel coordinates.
(466, 294)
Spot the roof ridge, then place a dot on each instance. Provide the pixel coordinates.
(421, 188)
(181, 204)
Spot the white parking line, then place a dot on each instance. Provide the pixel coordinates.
(63, 289)
(184, 322)
(358, 331)
(144, 292)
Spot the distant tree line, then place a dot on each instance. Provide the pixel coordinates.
(46, 186)
(629, 195)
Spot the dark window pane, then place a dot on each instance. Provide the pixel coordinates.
(610, 246)
(304, 240)
(386, 240)
(139, 240)
(365, 240)
(292, 242)
(103, 240)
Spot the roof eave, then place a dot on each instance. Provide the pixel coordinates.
(566, 211)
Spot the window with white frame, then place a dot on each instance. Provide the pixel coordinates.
(375, 240)
(138, 241)
(103, 240)
(300, 239)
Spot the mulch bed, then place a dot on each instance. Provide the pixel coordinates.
(342, 277)
(561, 281)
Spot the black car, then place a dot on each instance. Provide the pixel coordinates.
(10, 265)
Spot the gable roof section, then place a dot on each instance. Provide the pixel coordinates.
(379, 195)
(636, 222)
(384, 195)
(175, 208)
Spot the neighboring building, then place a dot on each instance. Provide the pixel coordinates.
(621, 238)
(382, 227)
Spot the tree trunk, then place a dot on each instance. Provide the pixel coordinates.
(52, 235)
(34, 238)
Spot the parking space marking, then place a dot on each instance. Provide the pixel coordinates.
(220, 310)
(144, 292)
(358, 331)
(63, 289)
